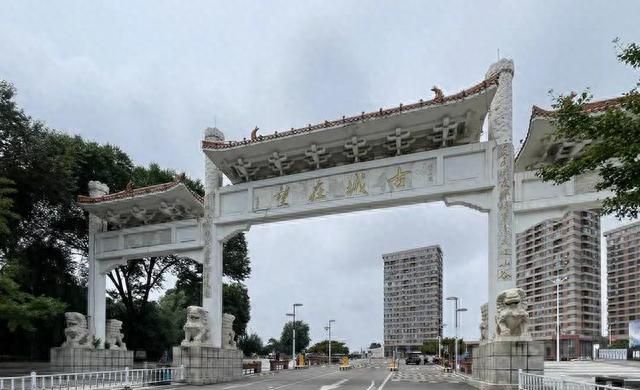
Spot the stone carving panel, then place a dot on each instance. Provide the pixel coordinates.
(376, 181)
(76, 331)
(142, 239)
(504, 157)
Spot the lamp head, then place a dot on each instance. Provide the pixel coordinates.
(297, 304)
(452, 298)
(462, 309)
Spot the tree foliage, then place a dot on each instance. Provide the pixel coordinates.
(613, 148)
(22, 310)
(429, 347)
(337, 347)
(6, 205)
(302, 337)
(272, 346)
(250, 344)
(43, 251)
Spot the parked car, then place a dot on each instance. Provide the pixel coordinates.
(413, 358)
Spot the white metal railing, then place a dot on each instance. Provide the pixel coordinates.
(94, 380)
(528, 381)
(612, 354)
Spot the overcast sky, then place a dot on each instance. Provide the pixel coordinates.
(149, 76)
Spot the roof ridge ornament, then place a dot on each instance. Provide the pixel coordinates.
(438, 94)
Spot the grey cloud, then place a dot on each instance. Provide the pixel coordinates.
(149, 76)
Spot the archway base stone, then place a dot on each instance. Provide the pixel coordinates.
(496, 363)
(69, 359)
(204, 365)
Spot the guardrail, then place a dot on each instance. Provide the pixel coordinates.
(612, 354)
(94, 380)
(528, 381)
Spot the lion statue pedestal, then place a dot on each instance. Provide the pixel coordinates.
(497, 360)
(203, 363)
(79, 354)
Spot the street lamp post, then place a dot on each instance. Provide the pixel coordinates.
(557, 281)
(440, 342)
(455, 319)
(460, 310)
(293, 328)
(329, 329)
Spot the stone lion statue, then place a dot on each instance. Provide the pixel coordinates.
(512, 318)
(114, 335)
(483, 331)
(76, 331)
(196, 329)
(228, 335)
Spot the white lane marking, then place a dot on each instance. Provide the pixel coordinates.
(305, 380)
(385, 381)
(248, 384)
(372, 385)
(333, 386)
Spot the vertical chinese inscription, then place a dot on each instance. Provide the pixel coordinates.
(318, 192)
(282, 196)
(357, 184)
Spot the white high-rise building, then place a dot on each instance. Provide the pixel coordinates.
(412, 298)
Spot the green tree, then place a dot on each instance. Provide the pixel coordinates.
(236, 267)
(302, 336)
(322, 347)
(6, 205)
(250, 344)
(272, 346)
(613, 143)
(429, 347)
(173, 309)
(619, 343)
(22, 310)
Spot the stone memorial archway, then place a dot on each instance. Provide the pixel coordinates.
(421, 152)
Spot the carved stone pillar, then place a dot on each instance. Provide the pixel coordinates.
(212, 256)
(96, 305)
(502, 264)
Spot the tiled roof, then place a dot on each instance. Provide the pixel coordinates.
(591, 107)
(134, 192)
(600, 105)
(381, 113)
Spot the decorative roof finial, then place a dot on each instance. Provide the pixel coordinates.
(179, 177)
(129, 186)
(254, 133)
(439, 96)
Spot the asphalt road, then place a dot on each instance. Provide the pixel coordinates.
(330, 378)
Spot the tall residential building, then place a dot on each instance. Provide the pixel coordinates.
(570, 248)
(412, 298)
(623, 278)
